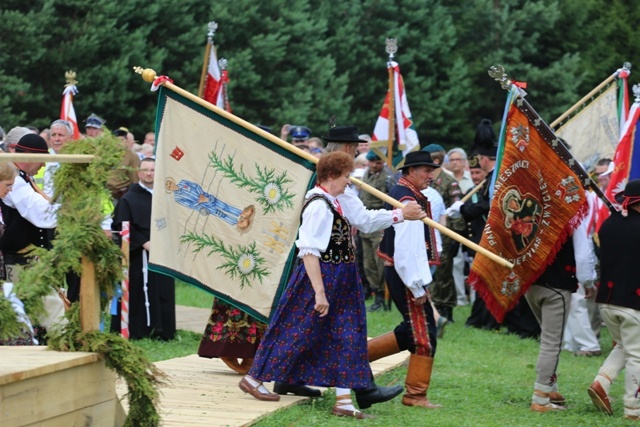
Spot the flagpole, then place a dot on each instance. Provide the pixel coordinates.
(149, 76)
(60, 158)
(391, 48)
(587, 97)
(473, 191)
(212, 26)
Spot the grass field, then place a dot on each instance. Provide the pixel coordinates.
(482, 378)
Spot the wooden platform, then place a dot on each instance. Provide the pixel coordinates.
(49, 388)
(204, 392)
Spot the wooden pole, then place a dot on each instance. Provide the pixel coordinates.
(473, 191)
(212, 27)
(584, 99)
(149, 76)
(36, 158)
(89, 297)
(392, 112)
(434, 224)
(205, 67)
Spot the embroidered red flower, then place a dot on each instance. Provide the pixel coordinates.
(638, 292)
(609, 284)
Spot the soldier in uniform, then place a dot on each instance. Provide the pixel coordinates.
(377, 176)
(443, 290)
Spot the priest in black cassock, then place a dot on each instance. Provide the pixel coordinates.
(152, 311)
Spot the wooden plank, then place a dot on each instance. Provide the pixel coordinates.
(204, 392)
(53, 394)
(89, 297)
(23, 362)
(100, 415)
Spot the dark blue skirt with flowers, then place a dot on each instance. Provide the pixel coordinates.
(300, 347)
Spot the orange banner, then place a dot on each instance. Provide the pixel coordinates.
(538, 201)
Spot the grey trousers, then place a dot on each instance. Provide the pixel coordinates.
(551, 308)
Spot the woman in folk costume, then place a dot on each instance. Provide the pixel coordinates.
(318, 334)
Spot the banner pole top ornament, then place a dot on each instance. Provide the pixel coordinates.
(392, 47)
(212, 27)
(70, 77)
(148, 75)
(636, 93)
(498, 73)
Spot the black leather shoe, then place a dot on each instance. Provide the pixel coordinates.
(376, 394)
(298, 390)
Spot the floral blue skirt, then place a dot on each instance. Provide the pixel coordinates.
(300, 347)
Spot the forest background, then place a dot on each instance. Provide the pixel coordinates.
(300, 61)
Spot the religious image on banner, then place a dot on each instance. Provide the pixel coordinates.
(538, 200)
(226, 207)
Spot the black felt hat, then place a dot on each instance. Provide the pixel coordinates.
(485, 141)
(344, 134)
(31, 143)
(631, 193)
(419, 158)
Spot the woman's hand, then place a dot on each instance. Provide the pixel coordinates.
(322, 305)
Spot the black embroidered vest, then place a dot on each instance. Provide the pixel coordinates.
(340, 249)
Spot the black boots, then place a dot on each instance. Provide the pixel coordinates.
(379, 303)
(375, 394)
(298, 390)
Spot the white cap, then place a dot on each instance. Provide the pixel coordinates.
(609, 170)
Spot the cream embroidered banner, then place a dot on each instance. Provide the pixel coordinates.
(593, 133)
(226, 205)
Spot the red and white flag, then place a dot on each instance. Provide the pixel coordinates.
(626, 162)
(67, 112)
(406, 137)
(215, 81)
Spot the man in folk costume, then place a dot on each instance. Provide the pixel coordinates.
(152, 306)
(27, 211)
(407, 249)
(619, 303)
(345, 138)
(550, 298)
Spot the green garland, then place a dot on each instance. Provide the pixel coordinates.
(81, 189)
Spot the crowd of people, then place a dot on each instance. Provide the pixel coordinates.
(352, 247)
(29, 219)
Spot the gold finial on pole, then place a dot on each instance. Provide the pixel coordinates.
(498, 73)
(148, 75)
(70, 76)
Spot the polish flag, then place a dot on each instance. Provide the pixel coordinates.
(67, 112)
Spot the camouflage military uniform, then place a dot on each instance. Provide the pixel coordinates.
(443, 289)
(373, 265)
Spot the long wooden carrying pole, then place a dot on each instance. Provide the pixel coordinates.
(33, 157)
(392, 115)
(150, 75)
(205, 68)
(584, 99)
(473, 191)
